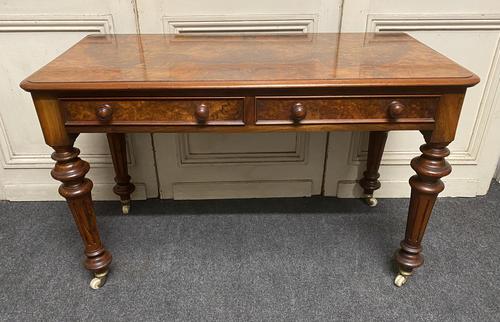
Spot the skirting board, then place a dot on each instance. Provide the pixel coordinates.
(243, 189)
(401, 189)
(227, 190)
(44, 192)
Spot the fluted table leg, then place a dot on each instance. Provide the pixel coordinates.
(71, 171)
(430, 167)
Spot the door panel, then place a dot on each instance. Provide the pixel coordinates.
(471, 37)
(204, 166)
(194, 166)
(31, 34)
(155, 15)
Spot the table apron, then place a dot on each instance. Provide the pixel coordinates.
(249, 114)
(422, 126)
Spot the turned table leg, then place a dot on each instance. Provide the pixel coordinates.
(71, 171)
(123, 187)
(430, 167)
(370, 182)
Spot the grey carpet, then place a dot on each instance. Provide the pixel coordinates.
(306, 259)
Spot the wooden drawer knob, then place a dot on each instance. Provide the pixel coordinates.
(201, 113)
(299, 112)
(104, 113)
(396, 108)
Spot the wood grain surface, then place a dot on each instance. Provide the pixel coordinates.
(325, 110)
(106, 62)
(171, 111)
(120, 84)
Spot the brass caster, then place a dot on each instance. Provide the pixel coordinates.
(125, 207)
(401, 278)
(99, 280)
(370, 200)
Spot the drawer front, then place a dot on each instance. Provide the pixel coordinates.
(330, 110)
(162, 111)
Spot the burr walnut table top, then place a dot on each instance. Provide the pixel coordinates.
(127, 62)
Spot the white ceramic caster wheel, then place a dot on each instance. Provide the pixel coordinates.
(400, 280)
(98, 281)
(125, 207)
(371, 201)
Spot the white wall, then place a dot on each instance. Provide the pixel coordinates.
(465, 31)
(31, 34)
(198, 166)
(498, 172)
(34, 32)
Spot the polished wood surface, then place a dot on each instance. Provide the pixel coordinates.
(127, 62)
(425, 187)
(71, 171)
(376, 145)
(325, 110)
(118, 149)
(166, 111)
(120, 84)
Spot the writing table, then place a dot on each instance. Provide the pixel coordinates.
(118, 84)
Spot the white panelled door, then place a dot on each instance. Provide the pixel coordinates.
(197, 166)
(193, 166)
(31, 34)
(465, 31)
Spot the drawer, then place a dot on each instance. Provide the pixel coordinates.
(153, 111)
(330, 110)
